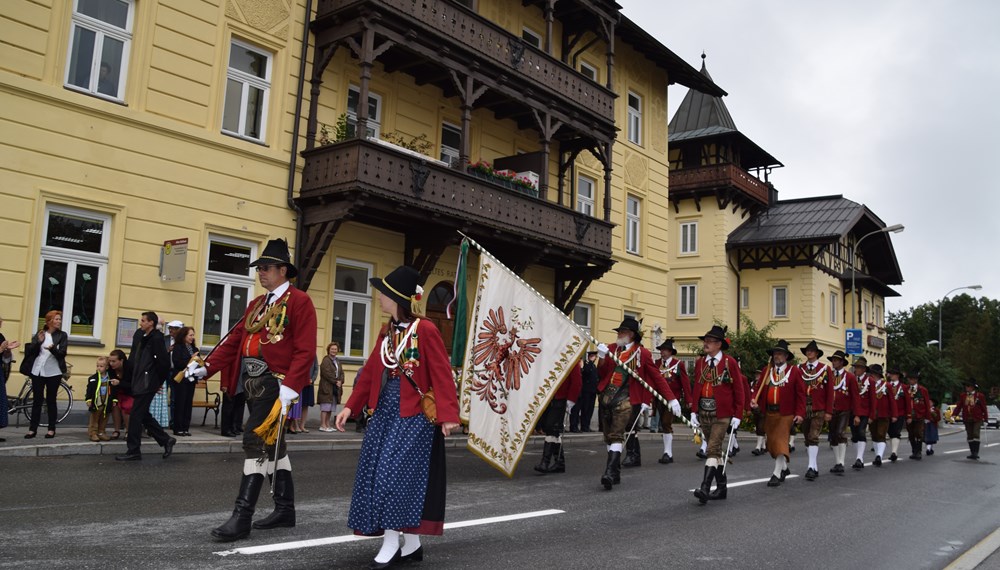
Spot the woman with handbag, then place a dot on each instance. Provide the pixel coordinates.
(400, 483)
(331, 379)
(181, 353)
(45, 363)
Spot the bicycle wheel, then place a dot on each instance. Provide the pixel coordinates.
(66, 403)
(25, 398)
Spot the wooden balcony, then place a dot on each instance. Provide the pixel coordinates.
(371, 183)
(717, 179)
(447, 28)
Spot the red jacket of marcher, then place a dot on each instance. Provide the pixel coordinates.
(885, 404)
(791, 395)
(918, 402)
(646, 369)
(292, 356)
(730, 395)
(571, 385)
(862, 395)
(898, 392)
(840, 391)
(434, 371)
(974, 411)
(675, 373)
(820, 388)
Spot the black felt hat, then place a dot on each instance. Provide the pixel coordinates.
(861, 361)
(628, 324)
(838, 354)
(971, 382)
(915, 373)
(894, 370)
(276, 253)
(668, 345)
(813, 346)
(876, 369)
(781, 345)
(402, 285)
(718, 333)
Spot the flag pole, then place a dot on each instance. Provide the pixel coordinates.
(580, 330)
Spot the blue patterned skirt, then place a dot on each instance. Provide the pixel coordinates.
(400, 483)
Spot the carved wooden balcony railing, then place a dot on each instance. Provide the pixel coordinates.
(717, 176)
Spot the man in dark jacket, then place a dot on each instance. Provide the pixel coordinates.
(150, 366)
(583, 411)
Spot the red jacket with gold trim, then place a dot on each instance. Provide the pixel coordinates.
(899, 399)
(790, 396)
(918, 402)
(885, 404)
(971, 407)
(840, 391)
(862, 395)
(820, 389)
(646, 369)
(730, 394)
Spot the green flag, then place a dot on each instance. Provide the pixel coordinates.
(461, 308)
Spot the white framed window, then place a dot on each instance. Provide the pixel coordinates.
(688, 303)
(99, 43)
(582, 315)
(689, 237)
(374, 112)
(868, 310)
(779, 302)
(531, 37)
(585, 187)
(74, 272)
(633, 224)
(352, 307)
(229, 286)
(744, 297)
(834, 302)
(632, 315)
(588, 71)
(451, 143)
(878, 315)
(634, 124)
(248, 88)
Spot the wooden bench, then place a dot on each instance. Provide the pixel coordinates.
(211, 402)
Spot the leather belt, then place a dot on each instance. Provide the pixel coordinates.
(255, 367)
(707, 404)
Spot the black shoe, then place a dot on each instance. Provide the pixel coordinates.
(50, 434)
(858, 464)
(791, 449)
(666, 459)
(757, 452)
(239, 524)
(392, 561)
(571, 430)
(633, 455)
(811, 474)
(893, 457)
(915, 457)
(228, 434)
(30, 435)
(734, 452)
(546, 461)
(168, 448)
(719, 494)
(877, 462)
(785, 473)
(588, 430)
(838, 469)
(129, 457)
(415, 556)
(774, 482)
(702, 492)
(930, 452)
(283, 515)
(558, 464)
(701, 454)
(974, 447)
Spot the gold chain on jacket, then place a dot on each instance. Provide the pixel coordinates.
(276, 319)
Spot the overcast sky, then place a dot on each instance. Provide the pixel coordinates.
(893, 104)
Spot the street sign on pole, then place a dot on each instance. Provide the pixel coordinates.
(853, 343)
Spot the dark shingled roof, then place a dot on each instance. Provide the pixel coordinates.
(678, 70)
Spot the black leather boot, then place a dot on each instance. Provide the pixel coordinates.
(238, 525)
(916, 448)
(633, 457)
(612, 473)
(283, 514)
(720, 486)
(558, 464)
(974, 448)
(702, 492)
(546, 462)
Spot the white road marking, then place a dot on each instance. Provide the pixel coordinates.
(749, 482)
(978, 553)
(352, 538)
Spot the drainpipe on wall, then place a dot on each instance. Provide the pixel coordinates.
(295, 135)
(736, 270)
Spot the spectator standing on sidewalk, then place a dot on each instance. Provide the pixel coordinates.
(119, 372)
(331, 383)
(180, 354)
(100, 399)
(45, 363)
(6, 346)
(150, 366)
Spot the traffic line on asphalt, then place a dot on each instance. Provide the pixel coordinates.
(755, 481)
(978, 553)
(299, 544)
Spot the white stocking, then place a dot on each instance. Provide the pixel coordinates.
(760, 442)
(668, 444)
(390, 544)
(813, 451)
(791, 440)
(880, 448)
(861, 449)
(615, 447)
(252, 466)
(712, 462)
(411, 542)
(894, 442)
(704, 446)
(780, 463)
(841, 453)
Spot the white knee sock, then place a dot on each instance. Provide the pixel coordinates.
(880, 448)
(704, 446)
(390, 544)
(930, 447)
(791, 440)
(736, 444)
(813, 451)
(841, 453)
(668, 444)
(760, 442)
(615, 447)
(411, 542)
(861, 449)
(252, 466)
(712, 462)
(551, 439)
(894, 442)
(780, 464)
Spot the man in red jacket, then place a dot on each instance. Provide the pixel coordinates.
(622, 397)
(862, 404)
(971, 405)
(817, 378)
(918, 403)
(675, 373)
(551, 422)
(717, 400)
(782, 397)
(839, 410)
(883, 412)
(275, 345)
(897, 391)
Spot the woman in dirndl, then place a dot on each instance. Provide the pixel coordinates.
(399, 489)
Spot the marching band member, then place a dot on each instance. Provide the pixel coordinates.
(839, 411)
(553, 459)
(675, 373)
(883, 413)
(918, 404)
(971, 406)
(897, 391)
(862, 404)
(781, 394)
(817, 377)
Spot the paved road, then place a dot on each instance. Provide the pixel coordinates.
(90, 512)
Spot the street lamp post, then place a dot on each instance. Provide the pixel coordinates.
(941, 306)
(857, 247)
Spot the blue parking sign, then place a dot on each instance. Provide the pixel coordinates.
(853, 343)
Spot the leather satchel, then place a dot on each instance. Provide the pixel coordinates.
(427, 402)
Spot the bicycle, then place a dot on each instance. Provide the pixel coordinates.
(22, 403)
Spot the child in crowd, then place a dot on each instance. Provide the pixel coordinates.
(931, 429)
(101, 398)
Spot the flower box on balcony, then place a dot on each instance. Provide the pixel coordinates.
(504, 178)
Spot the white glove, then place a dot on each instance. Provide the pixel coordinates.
(734, 423)
(199, 372)
(191, 367)
(694, 420)
(570, 404)
(286, 395)
(644, 408)
(675, 407)
(602, 350)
